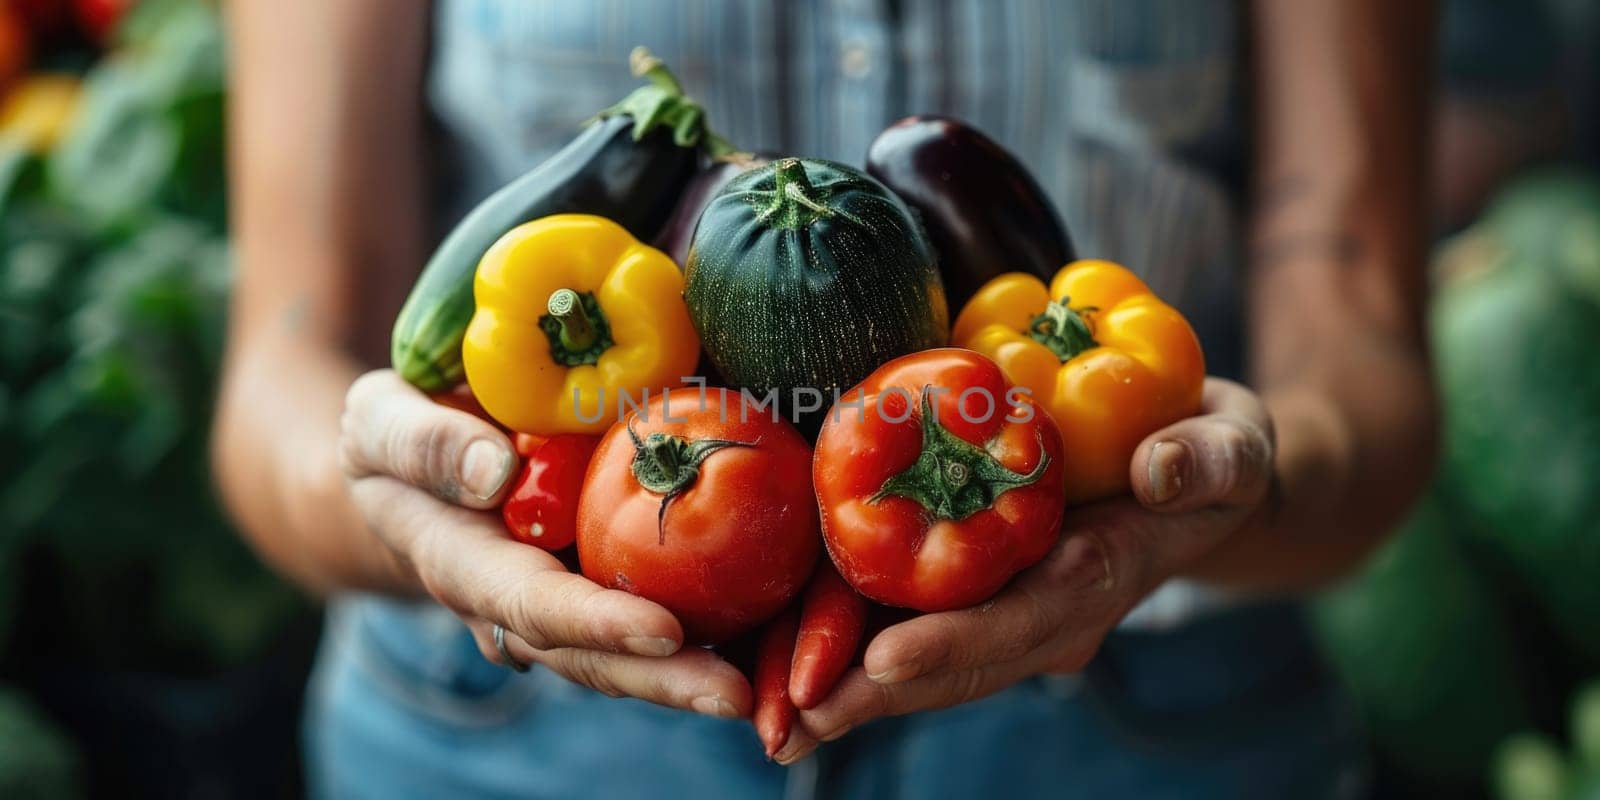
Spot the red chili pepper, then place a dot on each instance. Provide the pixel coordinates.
(774, 714)
(832, 616)
(542, 509)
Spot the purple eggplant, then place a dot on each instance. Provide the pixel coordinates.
(679, 231)
(984, 214)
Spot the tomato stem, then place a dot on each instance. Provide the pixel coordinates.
(1063, 329)
(668, 465)
(953, 478)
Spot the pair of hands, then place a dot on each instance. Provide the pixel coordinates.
(427, 479)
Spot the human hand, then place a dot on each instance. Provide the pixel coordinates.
(427, 480)
(1194, 483)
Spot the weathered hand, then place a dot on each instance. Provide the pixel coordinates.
(427, 479)
(1194, 483)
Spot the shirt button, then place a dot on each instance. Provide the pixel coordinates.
(855, 62)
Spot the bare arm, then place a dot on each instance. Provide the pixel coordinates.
(325, 134)
(1338, 281)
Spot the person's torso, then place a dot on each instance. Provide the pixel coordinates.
(1129, 113)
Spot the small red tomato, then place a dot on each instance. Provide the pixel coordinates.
(542, 509)
(701, 502)
(940, 485)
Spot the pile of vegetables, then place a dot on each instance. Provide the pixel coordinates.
(758, 422)
(38, 760)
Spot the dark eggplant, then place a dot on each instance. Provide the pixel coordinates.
(616, 168)
(807, 275)
(982, 210)
(679, 231)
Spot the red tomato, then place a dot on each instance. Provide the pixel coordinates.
(941, 485)
(542, 509)
(708, 512)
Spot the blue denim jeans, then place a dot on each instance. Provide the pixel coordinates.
(1234, 705)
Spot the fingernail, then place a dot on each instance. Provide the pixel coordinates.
(1169, 466)
(832, 735)
(895, 674)
(714, 706)
(485, 467)
(650, 645)
(790, 753)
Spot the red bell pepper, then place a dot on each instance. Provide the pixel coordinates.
(937, 481)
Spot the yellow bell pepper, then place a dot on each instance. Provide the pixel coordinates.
(37, 111)
(1104, 356)
(572, 314)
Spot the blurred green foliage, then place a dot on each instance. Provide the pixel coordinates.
(1532, 766)
(1516, 325)
(1416, 634)
(114, 276)
(1476, 619)
(37, 761)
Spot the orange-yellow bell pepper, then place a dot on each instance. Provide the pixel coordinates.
(572, 314)
(1104, 356)
(38, 109)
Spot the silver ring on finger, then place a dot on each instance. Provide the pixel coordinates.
(505, 652)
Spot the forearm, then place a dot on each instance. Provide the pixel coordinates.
(1336, 286)
(1351, 459)
(277, 466)
(326, 201)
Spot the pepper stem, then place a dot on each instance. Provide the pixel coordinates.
(1063, 329)
(577, 330)
(953, 478)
